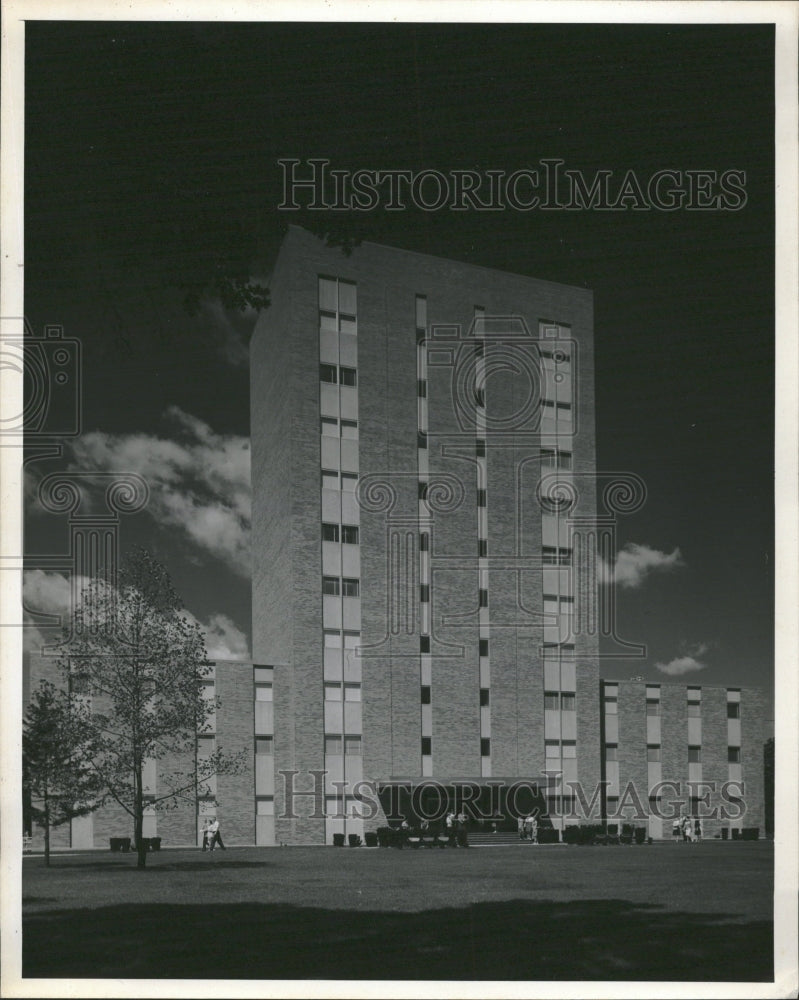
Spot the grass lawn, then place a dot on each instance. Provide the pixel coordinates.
(665, 911)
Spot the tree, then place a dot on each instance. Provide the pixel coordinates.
(57, 778)
(145, 664)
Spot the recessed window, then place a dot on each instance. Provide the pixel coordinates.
(485, 747)
(653, 753)
(552, 749)
(483, 598)
(352, 692)
(733, 755)
(264, 745)
(694, 755)
(349, 480)
(482, 548)
(567, 702)
(483, 647)
(327, 373)
(551, 700)
(694, 710)
(425, 694)
(484, 697)
(349, 430)
(329, 532)
(352, 640)
(349, 534)
(424, 593)
(421, 440)
(424, 542)
(422, 491)
(479, 349)
(652, 706)
(350, 587)
(733, 710)
(427, 746)
(332, 638)
(329, 427)
(334, 744)
(481, 498)
(263, 692)
(348, 376)
(480, 397)
(424, 643)
(329, 480)
(564, 407)
(421, 388)
(611, 751)
(332, 691)
(611, 706)
(352, 746)
(331, 586)
(694, 694)
(480, 447)
(569, 749)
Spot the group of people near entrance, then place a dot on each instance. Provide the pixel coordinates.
(211, 835)
(528, 828)
(689, 829)
(452, 829)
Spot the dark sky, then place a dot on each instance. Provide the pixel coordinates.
(151, 153)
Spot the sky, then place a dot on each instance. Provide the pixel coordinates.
(152, 152)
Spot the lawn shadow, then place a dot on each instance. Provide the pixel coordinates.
(158, 866)
(603, 939)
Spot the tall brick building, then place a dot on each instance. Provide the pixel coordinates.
(427, 521)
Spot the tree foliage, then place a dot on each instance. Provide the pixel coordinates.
(144, 663)
(58, 780)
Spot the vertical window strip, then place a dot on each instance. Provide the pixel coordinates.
(423, 467)
(481, 457)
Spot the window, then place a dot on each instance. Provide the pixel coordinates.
(421, 440)
(569, 749)
(263, 692)
(552, 749)
(480, 447)
(481, 498)
(332, 638)
(265, 745)
(332, 691)
(479, 349)
(653, 753)
(480, 397)
(652, 706)
(422, 491)
(421, 388)
(329, 532)
(349, 534)
(348, 376)
(264, 674)
(425, 694)
(564, 460)
(424, 593)
(327, 373)
(333, 744)
(694, 709)
(352, 692)
(567, 702)
(483, 598)
(349, 429)
(555, 505)
(694, 755)
(564, 407)
(424, 542)
(330, 586)
(549, 457)
(329, 480)
(352, 746)
(329, 427)
(554, 458)
(485, 747)
(549, 555)
(733, 710)
(484, 647)
(424, 643)
(350, 587)
(427, 746)
(482, 548)
(352, 640)
(733, 755)
(613, 804)
(484, 697)
(694, 694)
(611, 706)
(611, 751)
(349, 480)
(551, 700)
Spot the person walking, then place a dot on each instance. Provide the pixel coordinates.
(216, 836)
(533, 829)
(697, 830)
(206, 832)
(463, 834)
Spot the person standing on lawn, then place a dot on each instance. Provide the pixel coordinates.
(206, 832)
(216, 836)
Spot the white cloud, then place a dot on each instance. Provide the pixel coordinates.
(635, 563)
(199, 481)
(48, 592)
(687, 663)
